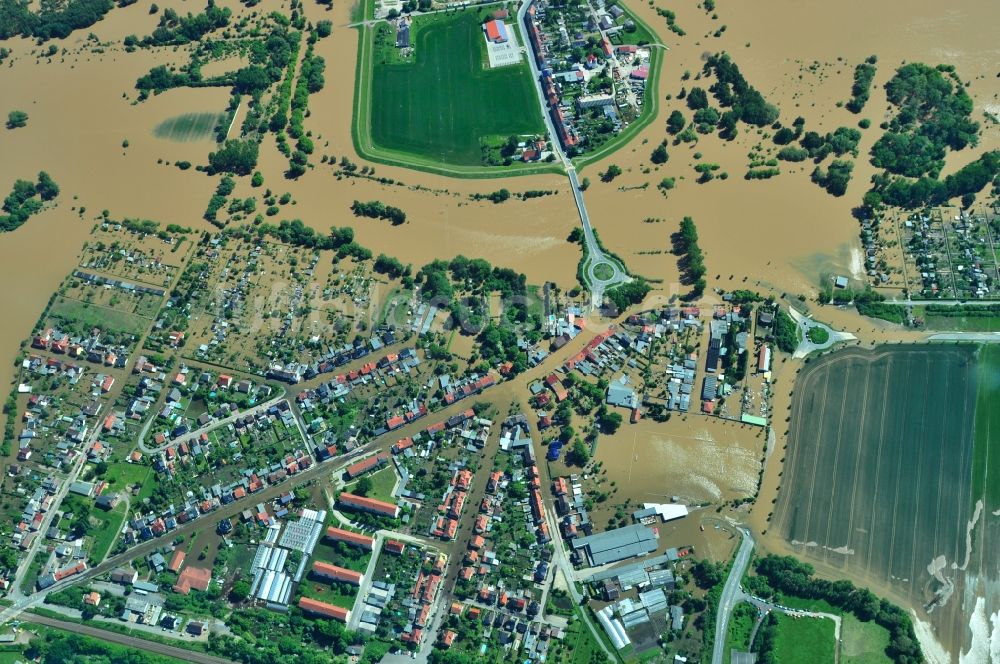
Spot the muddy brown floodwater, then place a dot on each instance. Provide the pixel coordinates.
(778, 234)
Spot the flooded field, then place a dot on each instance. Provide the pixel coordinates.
(697, 459)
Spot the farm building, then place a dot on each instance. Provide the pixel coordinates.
(619, 544)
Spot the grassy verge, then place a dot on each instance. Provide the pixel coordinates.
(31, 576)
(118, 629)
(960, 318)
(107, 535)
(986, 450)
(741, 624)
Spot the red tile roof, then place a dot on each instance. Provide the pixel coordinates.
(323, 609)
(368, 504)
(354, 539)
(337, 573)
(176, 560)
(193, 577)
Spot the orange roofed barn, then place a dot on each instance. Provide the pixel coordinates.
(195, 578)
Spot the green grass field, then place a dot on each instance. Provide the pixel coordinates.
(12, 655)
(383, 482)
(81, 317)
(804, 641)
(986, 449)
(122, 476)
(189, 127)
(963, 323)
(442, 105)
(862, 642)
(104, 531)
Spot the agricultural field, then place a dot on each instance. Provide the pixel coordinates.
(879, 472)
(986, 457)
(189, 127)
(443, 106)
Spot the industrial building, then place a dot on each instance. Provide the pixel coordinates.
(619, 544)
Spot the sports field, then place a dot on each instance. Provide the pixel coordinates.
(440, 106)
(878, 477)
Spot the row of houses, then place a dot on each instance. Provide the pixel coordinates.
(251, 482)
(327, 362)
(92, 349)
(452, 505)
(422, 598)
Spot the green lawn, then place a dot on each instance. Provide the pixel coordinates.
(336, 594)
(383, 483)
(986, 448)
(804, 641)
(12, 655)
(863, 642)
(963, 323)
(80, 318)
(122, 476)
(442, 105)
(105, 525)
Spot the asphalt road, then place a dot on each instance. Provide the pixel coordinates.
(731, 595)
(130, 641)
(595, 255)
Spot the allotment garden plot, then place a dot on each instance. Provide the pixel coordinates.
(877, 481)
(254, 305)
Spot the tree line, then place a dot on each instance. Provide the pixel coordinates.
(864, 74)
(732, 90)
(691, 261)
(965, 183)
(173, 28)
